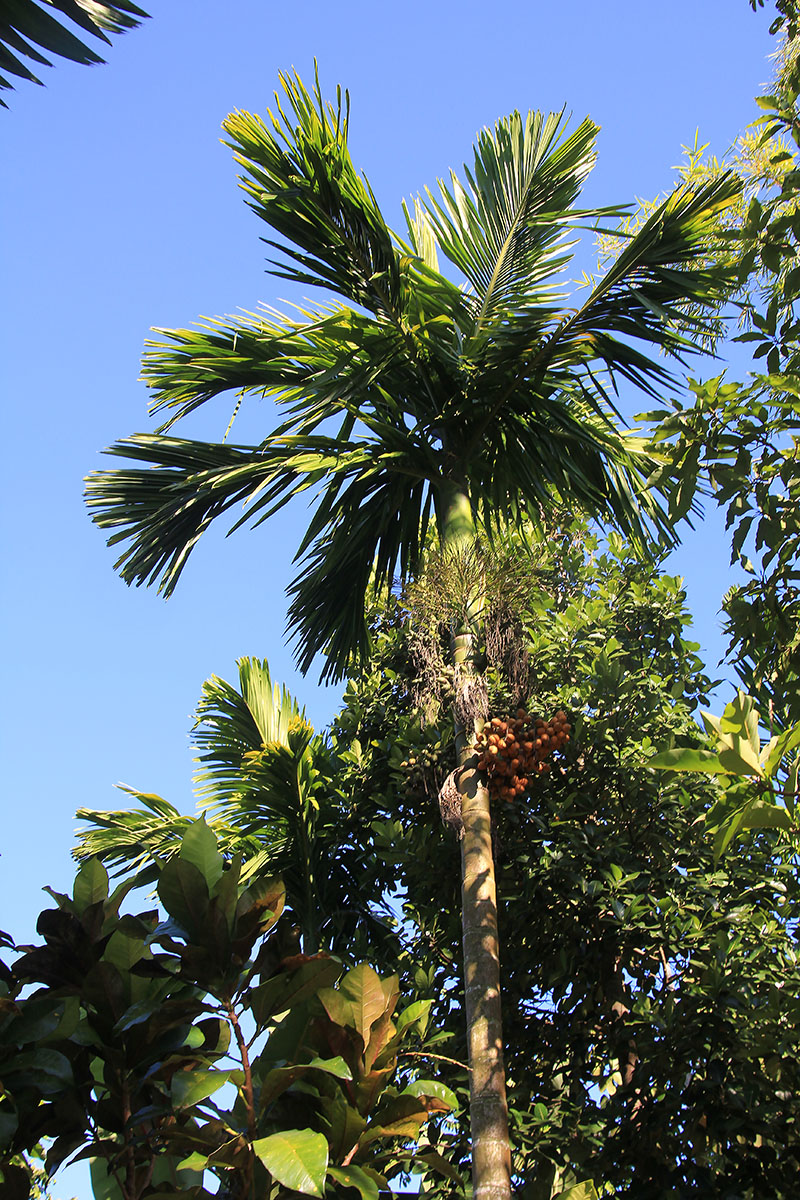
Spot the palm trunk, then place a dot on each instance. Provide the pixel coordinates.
(491, 1151)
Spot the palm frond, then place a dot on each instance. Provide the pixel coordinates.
(300, 179)
(663, 291)
(361, 536)
(163, 509)
(561, 451)
(266, 354)
(505, 230)
(132, 840)
(235, 728)
(26, 24)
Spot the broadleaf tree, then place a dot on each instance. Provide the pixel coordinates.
(650, 989)
(120, 1031)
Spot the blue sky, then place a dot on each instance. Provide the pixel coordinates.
(121, 211)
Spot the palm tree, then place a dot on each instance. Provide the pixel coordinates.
(26, 24)
(266, 785)
(415, 404)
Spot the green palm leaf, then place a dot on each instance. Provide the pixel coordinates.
(300, 179)
(134, 839)
(506, 230)
(26, 24)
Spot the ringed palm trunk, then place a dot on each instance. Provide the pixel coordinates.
(491, 1151)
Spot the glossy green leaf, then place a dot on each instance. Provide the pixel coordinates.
(190, 1087)
(353, 1177)
(124, 952)
(763, 815)
(279, 1079)
(778, 747)
(424, 1088)
(183, 891)
(297, 1159)
(199, 847)
(91, 884)
(284, 991)
(416, 1014)
(359, 1000)
(687, 759)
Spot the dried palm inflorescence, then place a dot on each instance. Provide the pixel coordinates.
(478, 587)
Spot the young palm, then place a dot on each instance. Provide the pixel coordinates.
(267, 787)
(415, 402)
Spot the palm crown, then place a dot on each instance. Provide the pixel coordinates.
(412, 390)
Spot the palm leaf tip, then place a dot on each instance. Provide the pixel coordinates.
(32, 23)
(504, 228)
(300, 179)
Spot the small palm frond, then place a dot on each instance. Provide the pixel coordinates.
(27, 24)
(235, 731)
(300, 179)
(135, 839)
(505, 230)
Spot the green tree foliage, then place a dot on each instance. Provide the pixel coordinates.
(650, 1011)
(741, 441)
(201, 1045)
(759, 778)
(27, 27)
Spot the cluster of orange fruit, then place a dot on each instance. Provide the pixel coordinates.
(512, 751)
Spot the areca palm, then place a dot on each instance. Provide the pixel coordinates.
(416, 406)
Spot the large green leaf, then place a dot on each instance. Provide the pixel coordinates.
(433, 1088)
(778, 747)
(416, 1015)
(91, 884)
(359, 1000)
(279, 1079)
(401, 1117)
(190, 1087)
(200, 848)
(297, 1159)
(184, 893)
(284, 991)
(354, 1177)
(761, 814)
(688, 759)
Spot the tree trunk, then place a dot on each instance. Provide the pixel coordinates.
(491, 1151)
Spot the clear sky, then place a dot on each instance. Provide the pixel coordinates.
(121, 211)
